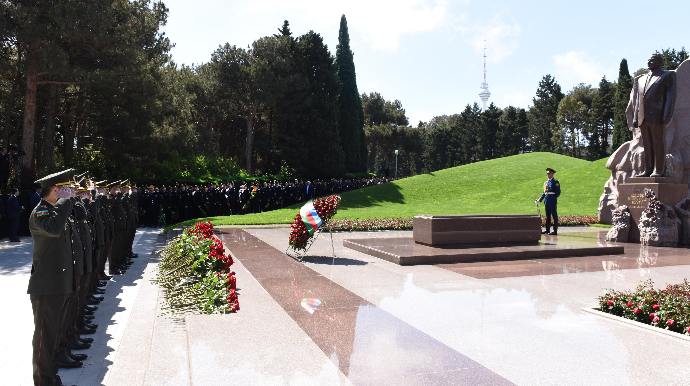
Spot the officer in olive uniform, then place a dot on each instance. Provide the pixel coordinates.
(51, 282)
(552, 189)
(117, 259)
(108, 228)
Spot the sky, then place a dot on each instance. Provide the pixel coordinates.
(429, 53)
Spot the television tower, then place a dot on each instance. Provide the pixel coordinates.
(485, 93)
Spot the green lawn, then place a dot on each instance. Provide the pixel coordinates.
(500, 186)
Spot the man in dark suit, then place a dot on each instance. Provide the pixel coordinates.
(653, 100)
(309, 191)
(2, 215)
(4, 169)
(13, 211)
(35, 198)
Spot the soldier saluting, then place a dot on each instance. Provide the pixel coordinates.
(51, 281)
(552, 189)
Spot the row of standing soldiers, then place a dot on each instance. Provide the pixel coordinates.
(172, 204)
(77, 228)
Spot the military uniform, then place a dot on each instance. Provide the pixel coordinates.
(51, 283)
(552, 189)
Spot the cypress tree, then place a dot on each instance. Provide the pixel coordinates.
(621, 132)
(351, 123)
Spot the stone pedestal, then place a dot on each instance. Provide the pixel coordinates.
(447, 230)
(631, 194)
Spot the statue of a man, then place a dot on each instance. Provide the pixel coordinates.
(653, 99)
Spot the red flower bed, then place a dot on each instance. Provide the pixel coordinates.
(374, 224)
(573, 220)
(668, 308)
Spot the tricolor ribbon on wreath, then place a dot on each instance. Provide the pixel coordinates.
(310, 217)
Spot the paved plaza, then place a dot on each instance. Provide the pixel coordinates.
(356, 319)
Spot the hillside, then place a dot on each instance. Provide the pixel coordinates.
(500, 186)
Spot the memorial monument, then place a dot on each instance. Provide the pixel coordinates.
(658, 156)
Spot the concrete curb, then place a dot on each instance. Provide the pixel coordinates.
(638, 325)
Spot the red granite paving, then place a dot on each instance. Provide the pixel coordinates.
(369, 345)
(635, 257)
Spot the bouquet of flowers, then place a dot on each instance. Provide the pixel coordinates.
(195, 271)
(161, 219)
(313, 216)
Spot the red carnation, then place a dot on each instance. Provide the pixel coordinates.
(609, 303)
(656, 307)
(651, 316)
(630, 304)
(655, 320)
(637, 310)
(670, 322)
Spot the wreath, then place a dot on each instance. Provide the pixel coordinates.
(313, 216)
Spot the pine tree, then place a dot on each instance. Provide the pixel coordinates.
(284, 30)
(621, 131)
(486, 136)
(351, 122)
(543, 114)
(507, 126)
(673, 58)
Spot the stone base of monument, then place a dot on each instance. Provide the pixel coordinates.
(405, 251)
(666, 189)
(455, 239)
(443, 230)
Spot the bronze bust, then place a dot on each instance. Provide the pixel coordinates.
(653, 99)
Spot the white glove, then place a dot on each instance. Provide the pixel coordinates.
(536, 202)
(63, 193)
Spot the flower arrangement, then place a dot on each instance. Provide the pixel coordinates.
(195, 271)
(161, 219)
(374, 224)
(668, 308)
(314, 215)
(573, 220)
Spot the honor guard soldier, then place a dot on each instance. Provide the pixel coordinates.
(552, 189)
(52, 279)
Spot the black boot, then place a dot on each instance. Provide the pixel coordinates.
(548, 227)
(77, 357)
(555, 230)
(63, 360)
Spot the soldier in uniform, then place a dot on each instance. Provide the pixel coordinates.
(130, 211)
(73, 325)
(108, 227)
(117, 259)
(552, 189)
(51, 283)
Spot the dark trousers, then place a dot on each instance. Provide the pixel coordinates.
(104, 255)
(49, 313)
(551, 213)
(14, 228)
(654, 142)
(4, 175)
(73, 307)
(118, 253)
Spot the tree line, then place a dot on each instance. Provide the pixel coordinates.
(91, 84)
(586, 122)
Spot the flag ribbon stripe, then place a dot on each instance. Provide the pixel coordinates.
(310, 217)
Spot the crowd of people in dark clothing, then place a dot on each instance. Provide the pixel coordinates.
(172, 204)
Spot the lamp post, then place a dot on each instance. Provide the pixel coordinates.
(396, 164)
